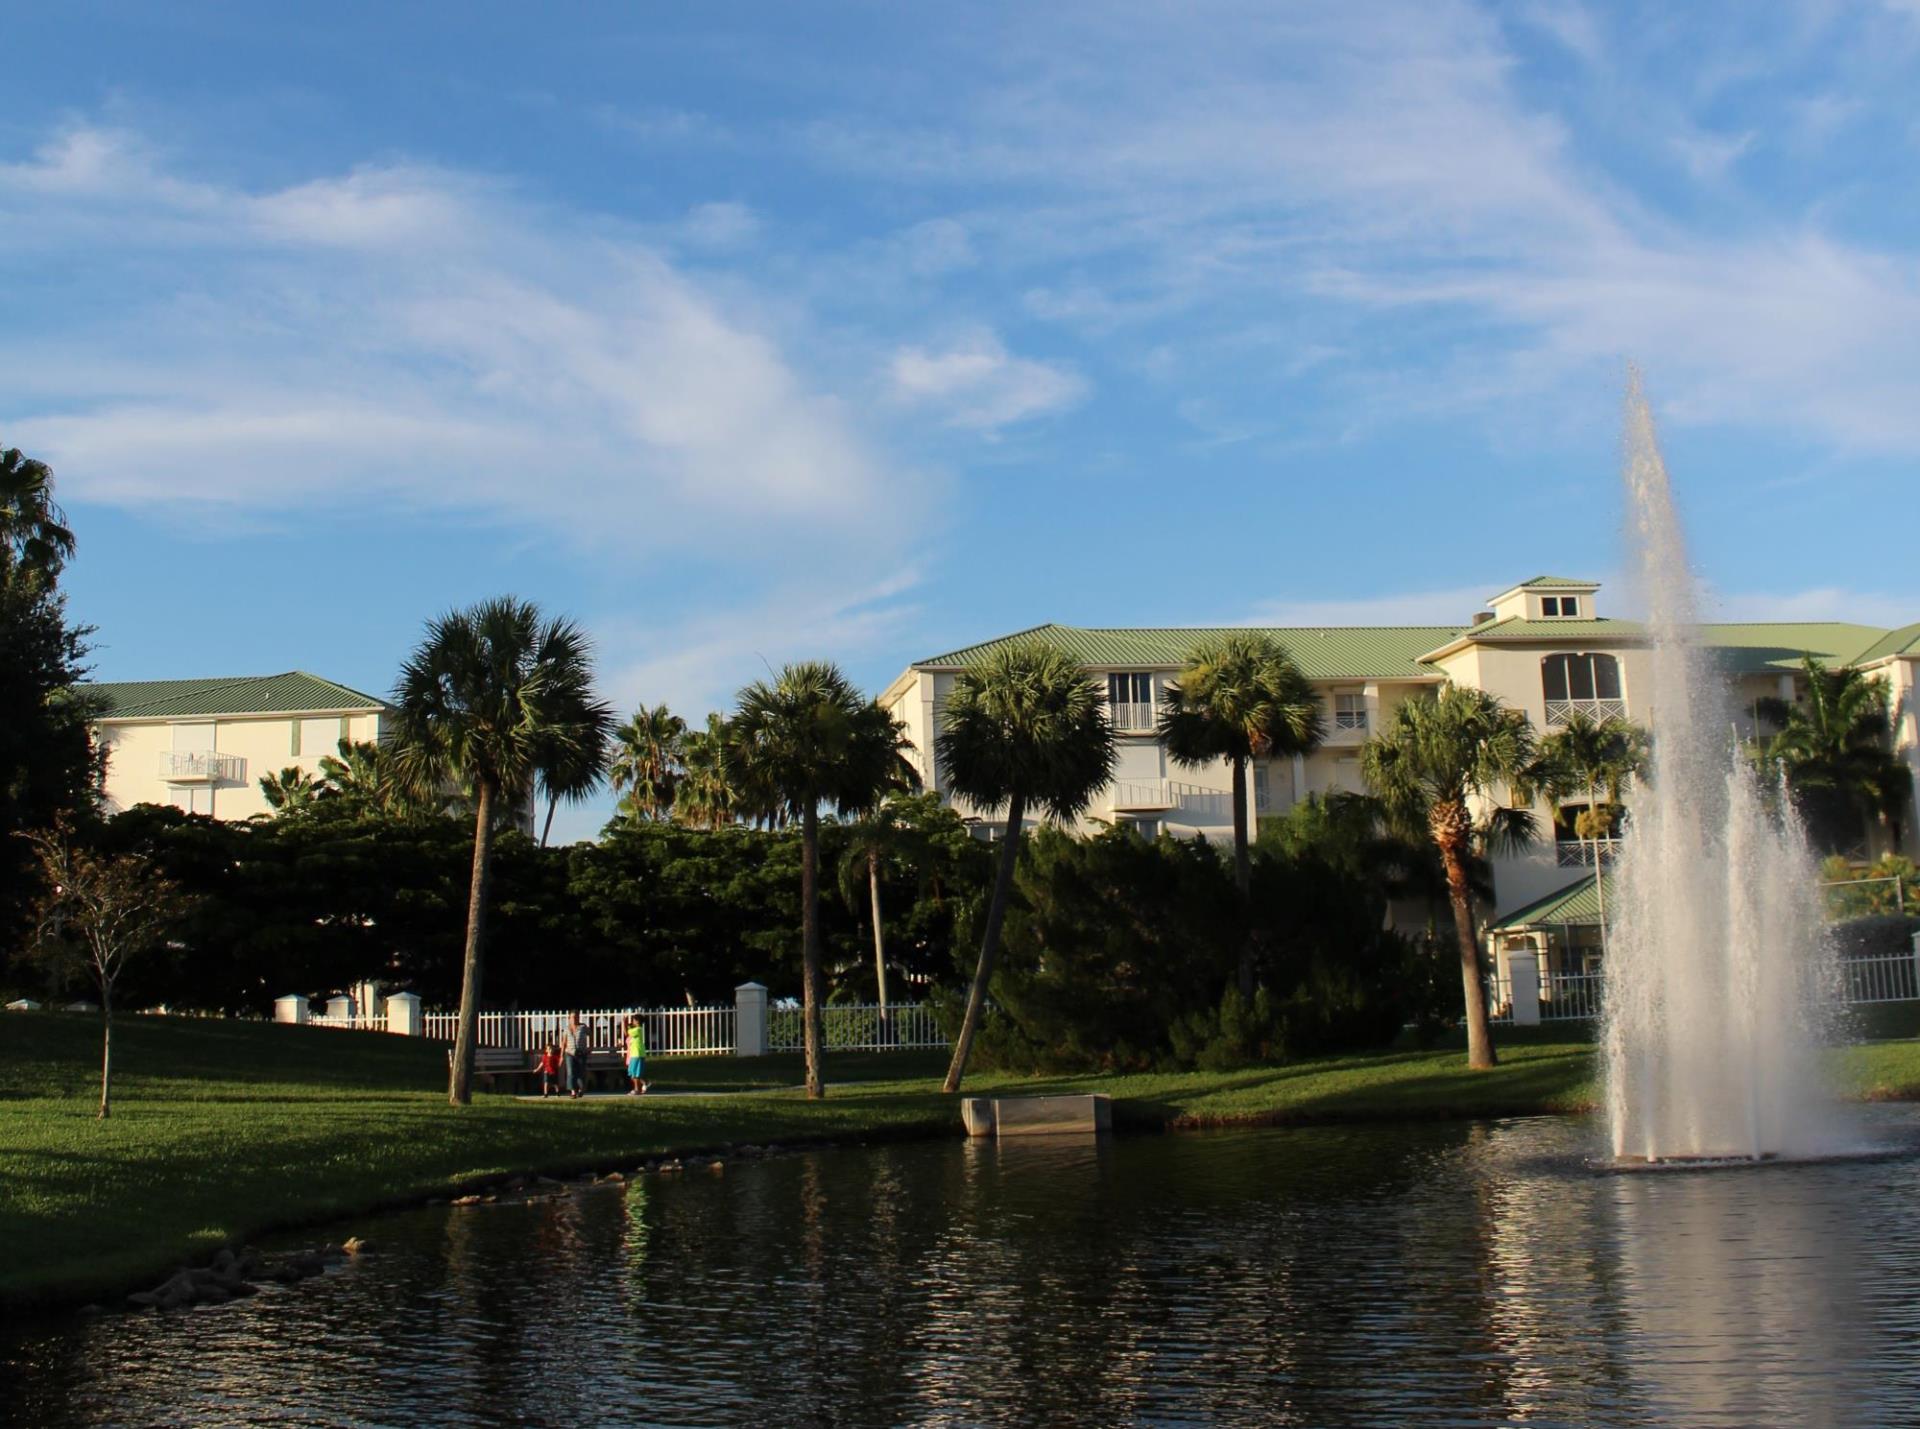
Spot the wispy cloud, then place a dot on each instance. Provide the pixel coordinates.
(414, 334)
(976, 382)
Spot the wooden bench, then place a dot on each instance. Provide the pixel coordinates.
(501, 1064)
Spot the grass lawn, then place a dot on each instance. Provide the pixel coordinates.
(222, 1130)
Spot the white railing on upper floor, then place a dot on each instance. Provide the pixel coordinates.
(1560, 711)
(201, 766)
(1132, 718)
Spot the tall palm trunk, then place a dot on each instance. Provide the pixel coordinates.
(879, 945)
(811, 990)
(553, 802)
(106, 1050)
(466, 1038)
(1243, 875)
(1450, 824)
(989, 944)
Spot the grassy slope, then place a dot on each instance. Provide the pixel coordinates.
(222, 1130)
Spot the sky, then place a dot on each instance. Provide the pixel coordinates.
(751, 333)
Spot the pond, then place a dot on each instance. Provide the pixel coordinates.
(1447, 1273)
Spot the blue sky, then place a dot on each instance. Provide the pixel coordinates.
(755, 332)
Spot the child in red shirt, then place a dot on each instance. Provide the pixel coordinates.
(549, 1070)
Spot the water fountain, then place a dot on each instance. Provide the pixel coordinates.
(1716, 960)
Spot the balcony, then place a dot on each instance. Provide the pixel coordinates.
(201, 766)
(1131, 718)
(1578, 853)
(1560, 711)
(1161, 796)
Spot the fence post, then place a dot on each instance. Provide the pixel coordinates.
(404, 1015)
(1916, 964)
(1523, 987)
(340, 1007)
(750, 1020)
(293, 1007)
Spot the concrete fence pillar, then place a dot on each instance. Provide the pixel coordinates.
(340, 1007)
(404, 1015)
(1523, 986)
(750, 1020)
(291, 1008)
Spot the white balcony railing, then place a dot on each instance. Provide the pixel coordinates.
(1350, 720)
(1196, 801)
(201, 766)
(1560, 711)
(1132, 718)
(1583, 853)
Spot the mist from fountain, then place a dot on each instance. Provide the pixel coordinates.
(1716, 961)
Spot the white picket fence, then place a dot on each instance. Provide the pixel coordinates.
(857, 1027)
(671, 1031)
(704, 1031)
(1576, 997)
(351, 1022)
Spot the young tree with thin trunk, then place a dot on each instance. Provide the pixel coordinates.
(569, 772)
(493, 695)
(1585, 757)
(1239, 697)
(805, 739)
(1025, 728)
(97, 913)
(1438, 758)
(879, 838)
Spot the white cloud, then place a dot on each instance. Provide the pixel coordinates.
(410, 334)
(1386, 160)
(978, 383)
(720, 225)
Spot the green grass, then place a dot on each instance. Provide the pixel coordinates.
(223, 1130)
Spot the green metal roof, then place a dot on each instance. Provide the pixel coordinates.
(1323, 653)
(1393, 652)
(232, 695)
(1538, 581)
(1904, 641)
(1578, 902)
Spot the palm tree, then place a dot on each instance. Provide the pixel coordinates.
(1239, 697)
(1026, 726)
(571, 771)
(1587, 757)
(1836, 751)
(705, 796)
(491, 696)
(879, 838)
(807, 739)
(648, 762)
(292, 788)
(1438, 757)
(34, 537)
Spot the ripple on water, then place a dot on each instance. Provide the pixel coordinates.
(1467, 1274)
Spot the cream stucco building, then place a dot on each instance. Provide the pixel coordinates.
(1543, 646)
(204, 745)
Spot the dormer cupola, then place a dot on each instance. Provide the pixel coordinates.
(1547, 598)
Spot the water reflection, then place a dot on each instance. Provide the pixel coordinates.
(1467, 1274)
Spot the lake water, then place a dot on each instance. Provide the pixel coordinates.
(1445, 1274)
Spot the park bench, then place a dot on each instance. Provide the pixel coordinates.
(500, 1064)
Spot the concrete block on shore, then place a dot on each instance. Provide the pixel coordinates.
(1052, 1116)
(976, 1114)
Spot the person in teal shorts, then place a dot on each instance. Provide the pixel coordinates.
(636, 1055)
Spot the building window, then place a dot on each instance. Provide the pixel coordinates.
(1560, 606)
(1130, 701)
(1350, 711)
(1582, 684)
(1147, 828)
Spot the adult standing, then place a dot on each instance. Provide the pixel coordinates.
(575, 1041)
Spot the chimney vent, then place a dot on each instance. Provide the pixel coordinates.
(1481, 617)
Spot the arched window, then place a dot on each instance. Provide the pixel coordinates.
(1587, 684)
